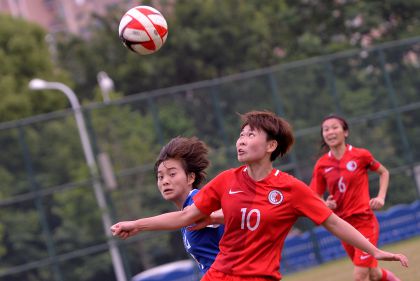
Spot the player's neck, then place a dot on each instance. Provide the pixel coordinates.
(178, 204)
(338, 151)
(258, 171)
(180, 200)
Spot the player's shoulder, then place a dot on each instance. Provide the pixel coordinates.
(229, 174)
(289, 180)
(323, 159)
(193, 192)
(357, 150)
(296, 188)
(232, 171)
(189, 200)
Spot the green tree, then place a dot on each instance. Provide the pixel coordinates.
(206, 40)
(24, 55)
(209, 39)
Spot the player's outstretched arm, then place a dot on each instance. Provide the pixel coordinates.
(215, 218)
(349, 234)
(167, 221)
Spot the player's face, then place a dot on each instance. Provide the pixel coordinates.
(173, 182)
(252, 145)
(333, 132)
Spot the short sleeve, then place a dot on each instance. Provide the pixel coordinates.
(318, 184)
(208, 199)
(308, 204)
(371, 163)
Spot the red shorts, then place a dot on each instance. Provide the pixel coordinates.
(369, 227)
(215, 275)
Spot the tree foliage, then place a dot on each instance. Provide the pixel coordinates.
(207, 39)
(24, 55)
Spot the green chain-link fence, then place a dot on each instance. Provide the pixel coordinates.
(51, 226)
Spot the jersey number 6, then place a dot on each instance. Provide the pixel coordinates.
(341, 185)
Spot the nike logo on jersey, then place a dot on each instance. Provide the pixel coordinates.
(234, 192)
(364, 257)
(328, 169)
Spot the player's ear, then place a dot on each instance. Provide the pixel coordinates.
(272, 145)
(190, 178)
(346, 134)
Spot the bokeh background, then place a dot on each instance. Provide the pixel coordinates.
(301, 59)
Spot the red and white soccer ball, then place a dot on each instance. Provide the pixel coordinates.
(143, 30)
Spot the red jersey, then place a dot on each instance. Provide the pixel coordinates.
(346, 179)
(258, 216)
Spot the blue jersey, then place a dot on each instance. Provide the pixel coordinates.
(203, 244)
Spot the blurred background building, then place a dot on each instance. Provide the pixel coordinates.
(62, 15)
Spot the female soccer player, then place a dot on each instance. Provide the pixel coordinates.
(180, 169)
(343, 171)
(260, 204)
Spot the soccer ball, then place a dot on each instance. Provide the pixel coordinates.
(143, 30)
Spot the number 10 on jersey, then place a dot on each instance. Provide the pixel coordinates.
(246, 219)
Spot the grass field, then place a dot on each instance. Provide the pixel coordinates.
(341, 270)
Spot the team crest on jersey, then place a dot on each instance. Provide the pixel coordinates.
(351, 166)
(275, 197)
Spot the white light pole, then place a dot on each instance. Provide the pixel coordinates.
(38, 84)
(106, 84)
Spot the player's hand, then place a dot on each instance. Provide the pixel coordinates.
(387, 256)
(376, 203)
(331, 203)
(124, 229)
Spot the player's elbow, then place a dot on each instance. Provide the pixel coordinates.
(386, 172)
(383, 171)
(190, 215)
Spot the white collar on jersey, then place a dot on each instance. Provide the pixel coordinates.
(275, 174)
(348, 147)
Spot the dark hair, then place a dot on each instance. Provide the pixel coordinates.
(275, 127)
(343, 123)
(191, 152)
